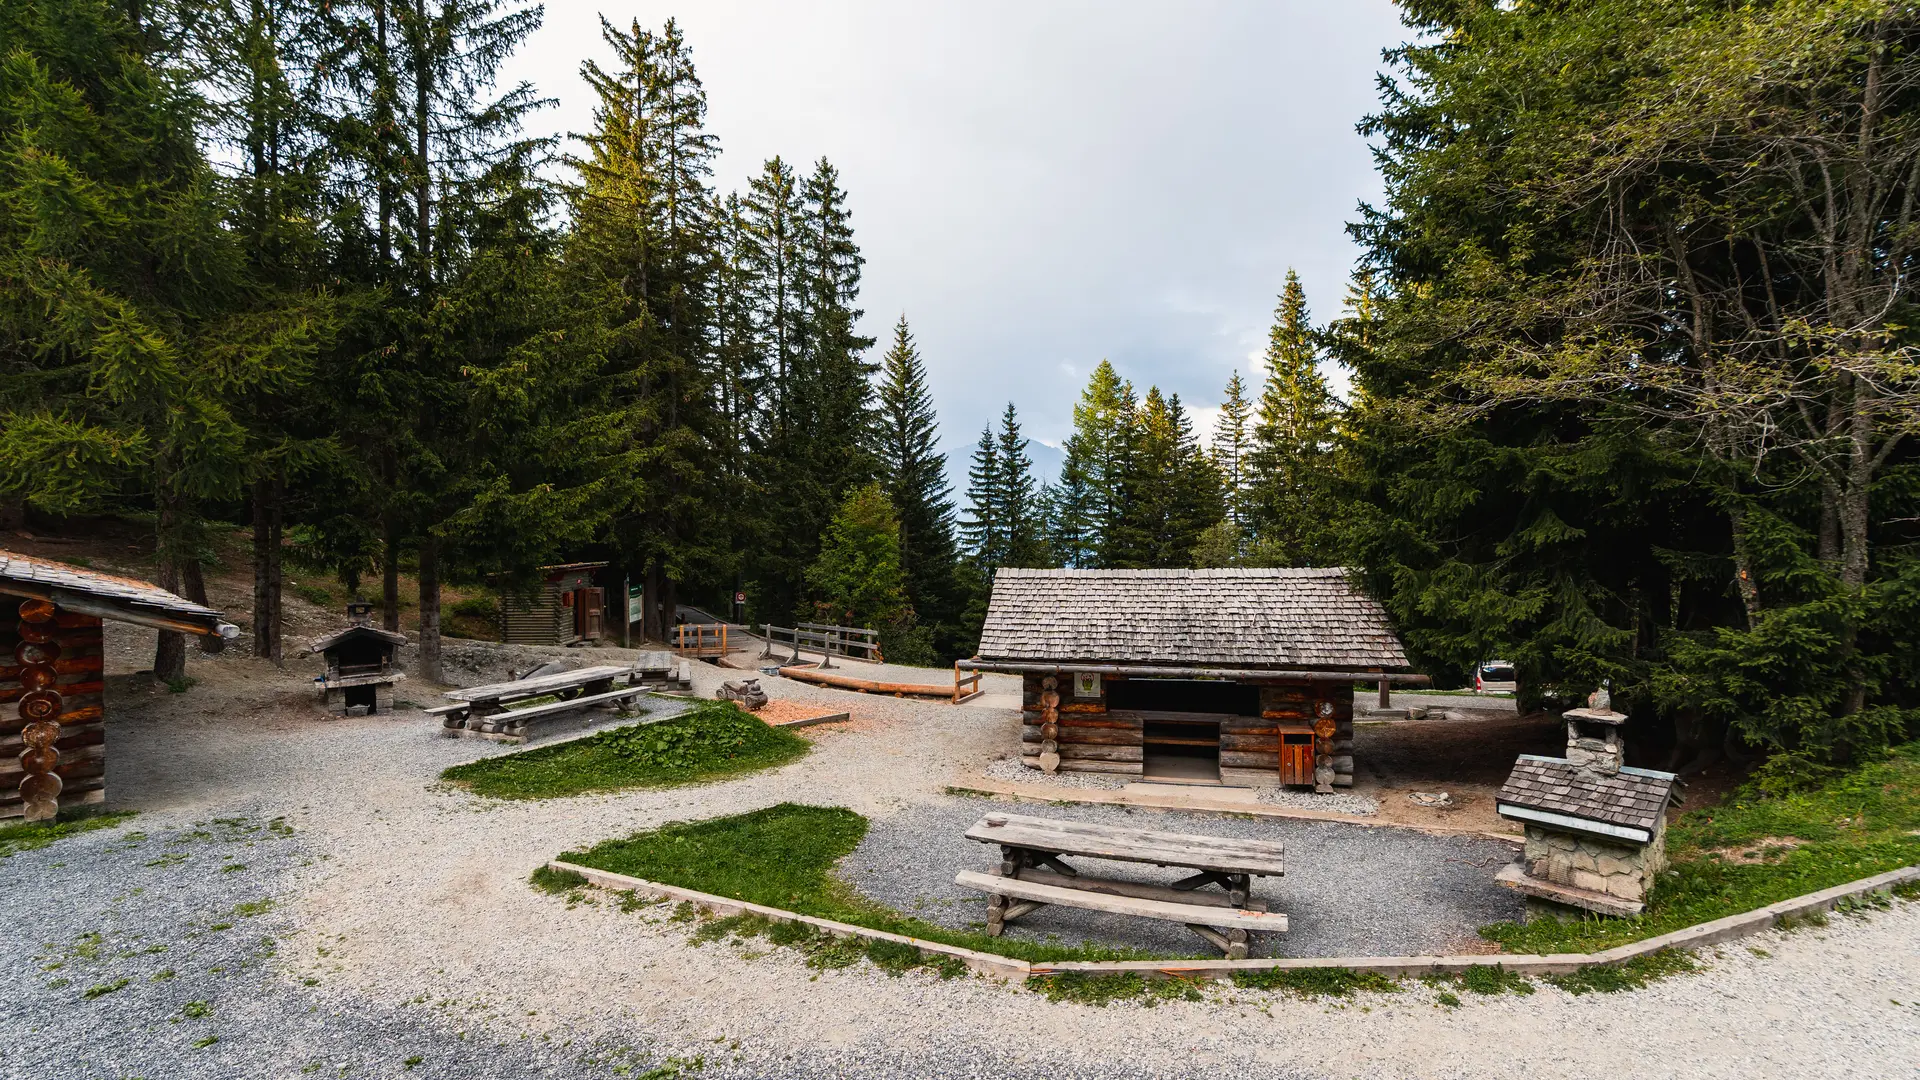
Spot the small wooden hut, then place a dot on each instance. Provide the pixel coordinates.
(53, 735)
(1237, 677)
(360, 665)
(567, 606)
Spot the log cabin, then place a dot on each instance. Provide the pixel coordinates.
(1241, 677)
(53, 735)
(564, 607)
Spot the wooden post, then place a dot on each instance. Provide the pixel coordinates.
(1386, 694)
(626, 611)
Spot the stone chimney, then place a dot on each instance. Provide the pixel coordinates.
(360, 613)
(1594, 744)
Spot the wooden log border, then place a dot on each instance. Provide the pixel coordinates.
(1729, 928)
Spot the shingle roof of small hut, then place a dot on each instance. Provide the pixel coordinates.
(45, 579)
(1264, 618)
(357, 630)
(1633, 798)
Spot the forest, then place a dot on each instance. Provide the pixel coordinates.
(1633, 378)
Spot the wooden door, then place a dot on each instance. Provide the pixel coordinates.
(592, 610)
(1296, 757)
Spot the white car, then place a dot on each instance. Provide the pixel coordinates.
(1495, 677)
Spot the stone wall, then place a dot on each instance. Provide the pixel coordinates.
(1616, 868)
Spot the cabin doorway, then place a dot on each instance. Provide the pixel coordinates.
(1180, 723)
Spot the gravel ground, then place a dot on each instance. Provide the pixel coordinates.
(435, 946)
(1350, 890)
(1338, 802)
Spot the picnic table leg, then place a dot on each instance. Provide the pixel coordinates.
(1237, 944)
(996, 914)
(1239, 888)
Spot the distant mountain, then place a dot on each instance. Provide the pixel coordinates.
(1046, 466)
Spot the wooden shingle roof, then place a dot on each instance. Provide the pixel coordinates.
(108, 596)
(1631, 798)
(357, 630)
(1264, 618)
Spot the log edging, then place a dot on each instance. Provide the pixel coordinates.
(1700, 935)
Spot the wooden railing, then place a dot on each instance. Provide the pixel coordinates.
(854, 643)
(972, 679)
(700, 639)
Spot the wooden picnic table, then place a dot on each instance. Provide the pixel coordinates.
(1033, 873)
(484, 711)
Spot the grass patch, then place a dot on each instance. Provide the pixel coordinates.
(556, 882)
(28, 836)
(783, 857)
(1101, 990)
(100, 990)
(1863, 823)
(712, 740)
(1317, 982)
(1629, 975)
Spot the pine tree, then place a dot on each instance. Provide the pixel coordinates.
(857, 578)
(1232, 442)
(983, 529)
(125, 315)
(643, 247)
(1290, 474)
(913, 474)
(1023, 528)
(1088, 501)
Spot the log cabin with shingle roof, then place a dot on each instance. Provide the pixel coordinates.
(1235, 676)
(53, 735)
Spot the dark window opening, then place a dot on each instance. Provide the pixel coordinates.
(363, 695)
(1184, 695)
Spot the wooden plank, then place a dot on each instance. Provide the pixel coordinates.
(1233, 856)
(1018, 889)
(545, 684)
(1137, 889)
(1117, 768)
(1082, 752)
(519, 715)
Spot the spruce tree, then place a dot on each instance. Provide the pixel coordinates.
(1022, 507)
(1088, 501)
(983, 529)
(1291, 469)
(124, 309)
(913, 474)
(1232, 443)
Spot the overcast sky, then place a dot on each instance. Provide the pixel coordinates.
(1039, 185)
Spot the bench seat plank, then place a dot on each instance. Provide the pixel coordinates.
(1138, 889)
(535, 687)
(562, 706)
(1219, 854)
(1018, 889)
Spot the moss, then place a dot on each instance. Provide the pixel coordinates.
(31, 835)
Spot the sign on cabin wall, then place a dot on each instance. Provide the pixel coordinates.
(1086, 684)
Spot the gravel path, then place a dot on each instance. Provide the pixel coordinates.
(1349, 890)
(407, 905)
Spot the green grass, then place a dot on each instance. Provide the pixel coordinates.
(1864, 823)
(1317, 982)
(1629, 975)
(783, 857)
(1101, 990)
(27, 836)
(712, 740)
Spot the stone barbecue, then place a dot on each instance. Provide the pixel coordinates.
(360, 665)
(1596, 828)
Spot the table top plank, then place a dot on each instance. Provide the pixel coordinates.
(1273, 921)
(544, 684)
(1213, 853)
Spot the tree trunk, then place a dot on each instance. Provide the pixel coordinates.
(390, 574)
(193, 586)
(650, 605)
(268, 618)
(170, 648)
(429, 643)
(1743, 579)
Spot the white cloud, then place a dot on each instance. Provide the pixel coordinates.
(1032, 182)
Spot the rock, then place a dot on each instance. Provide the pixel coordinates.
(1435, 799)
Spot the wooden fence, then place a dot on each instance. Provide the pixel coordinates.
(700, 639)
(970, 680)
(854, 643)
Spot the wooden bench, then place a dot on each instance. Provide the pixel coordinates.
(1029, 845)
(485, 712)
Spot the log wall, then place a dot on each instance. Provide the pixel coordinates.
(52, 709)
(1087, 736)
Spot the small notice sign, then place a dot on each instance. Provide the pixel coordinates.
(1086, 684)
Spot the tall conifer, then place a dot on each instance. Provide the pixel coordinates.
(1290, 478)
(913, 474)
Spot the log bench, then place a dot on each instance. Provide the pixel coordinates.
(1034, 873)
